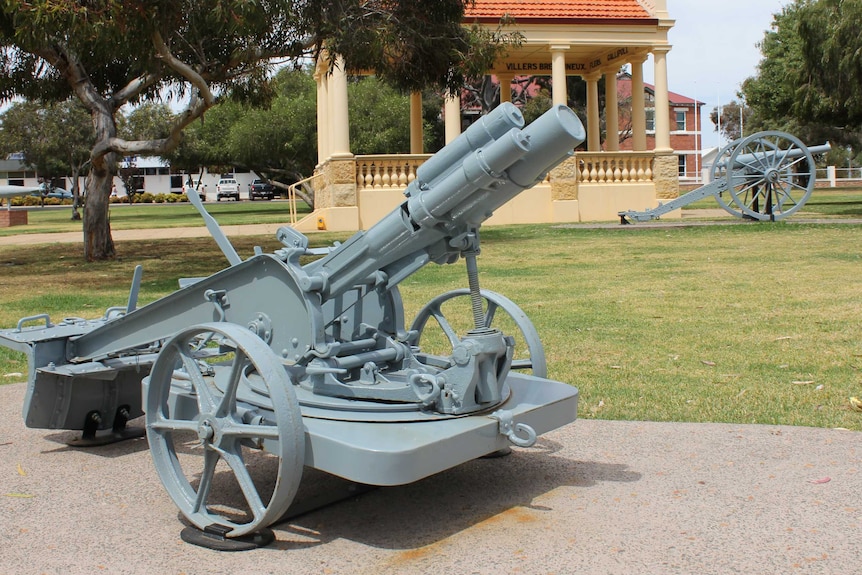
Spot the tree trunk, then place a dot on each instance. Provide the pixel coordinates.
(76, 193)
(98, 243)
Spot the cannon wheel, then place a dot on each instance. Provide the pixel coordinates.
(771, 185)
(196, 448)
(719, 171)
(494, 302)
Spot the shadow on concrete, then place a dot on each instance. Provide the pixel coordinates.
(425, 512)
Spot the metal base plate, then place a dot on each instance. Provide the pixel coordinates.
(214, 537)
(397, 453)
(108, 437)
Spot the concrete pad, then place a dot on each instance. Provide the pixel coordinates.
(595, 497)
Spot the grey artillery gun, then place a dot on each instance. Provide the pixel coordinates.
(766, 176)
(276, 362)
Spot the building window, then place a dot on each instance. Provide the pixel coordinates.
(680, 120)
(681, 166)
(650, 119)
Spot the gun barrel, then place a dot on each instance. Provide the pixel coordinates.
(756, 160)
(456, 196)
(484, 130)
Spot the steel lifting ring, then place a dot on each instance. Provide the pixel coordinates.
(511, 429)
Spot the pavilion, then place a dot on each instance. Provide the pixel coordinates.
(589, 38)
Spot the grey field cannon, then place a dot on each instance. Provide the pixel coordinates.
(312, 363)
(766, 176)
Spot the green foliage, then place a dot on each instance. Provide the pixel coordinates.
(55, 137)
(149, 121)
(32, 201)
(831, 44)
(772, 92)
(280, 138)
(809, 81)
(379, 118)
(205, 142)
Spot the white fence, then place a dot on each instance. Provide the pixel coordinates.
(834, 176)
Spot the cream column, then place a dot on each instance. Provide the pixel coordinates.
(505, 87)
(322, 113)
(452, 117)
(558, 75)
(322, 118)
(416, 143)
(638, 107)
(662, 102)
(612, 116)
(594, 128)
(339, 120)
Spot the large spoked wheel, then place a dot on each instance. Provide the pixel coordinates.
(770, 175)
(452, 314)
(719, 172)
(208, 432)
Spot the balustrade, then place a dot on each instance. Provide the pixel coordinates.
(383, 172)
(614, 167)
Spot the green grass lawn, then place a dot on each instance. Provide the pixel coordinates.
(753, 323)
(828, 202)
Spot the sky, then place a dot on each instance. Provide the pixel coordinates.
(714, 50)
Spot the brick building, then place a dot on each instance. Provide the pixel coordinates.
(685, 133)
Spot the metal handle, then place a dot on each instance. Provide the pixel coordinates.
(44, 316)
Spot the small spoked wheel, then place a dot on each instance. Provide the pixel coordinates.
(770, 175)
(225, 428)
(452, 315)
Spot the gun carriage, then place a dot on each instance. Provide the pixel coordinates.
(313, 362)
(766, 176)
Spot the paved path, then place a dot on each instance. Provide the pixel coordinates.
(596, 497)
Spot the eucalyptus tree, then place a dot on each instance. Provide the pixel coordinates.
(809, 81)
(771, 93)
(830, 37)
(109, 54)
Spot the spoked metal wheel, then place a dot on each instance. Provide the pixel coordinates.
(770, 175)
(719, 172)
(452, 315)
(218, 396)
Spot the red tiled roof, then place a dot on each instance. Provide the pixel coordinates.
(550, 10)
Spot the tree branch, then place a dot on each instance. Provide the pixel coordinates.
(183, 69)
(133, 89)
(71, 68)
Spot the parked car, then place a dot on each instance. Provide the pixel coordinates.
(260, 189)
(227, 188)
(201, 189)
(58, 193)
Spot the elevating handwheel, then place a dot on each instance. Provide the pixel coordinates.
(770, 175)
(225, 428)
(447, 308)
